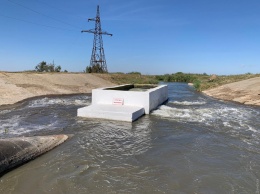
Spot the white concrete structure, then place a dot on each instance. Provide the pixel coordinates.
(124, 102)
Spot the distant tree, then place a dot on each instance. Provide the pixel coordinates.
(135, 72)
(88, 69)
(179, 73)
(51, 68)
(95, 69)
(58, 68)
(43, 67)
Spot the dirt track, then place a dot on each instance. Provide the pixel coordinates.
(246, 91)
(15, 87)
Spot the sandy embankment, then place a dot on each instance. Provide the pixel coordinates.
(246, 91)
(15, 87)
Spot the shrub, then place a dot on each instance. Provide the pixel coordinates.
(197, 85)
(97, 68)
(135, 72)
(43, 67)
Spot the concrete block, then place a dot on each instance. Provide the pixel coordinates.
(125, 102)
(111, 112)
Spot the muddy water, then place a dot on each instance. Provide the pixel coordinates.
(192, 144)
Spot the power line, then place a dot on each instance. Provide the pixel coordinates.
(98, 55)
(43, 14)
(33, 22)
(59, 9)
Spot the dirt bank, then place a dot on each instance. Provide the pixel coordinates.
(246, 91)
(15, 87)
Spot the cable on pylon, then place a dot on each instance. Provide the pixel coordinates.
(98, 59)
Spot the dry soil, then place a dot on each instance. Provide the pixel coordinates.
(246, 91)
(15, 87)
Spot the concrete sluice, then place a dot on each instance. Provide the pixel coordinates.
(124, 102)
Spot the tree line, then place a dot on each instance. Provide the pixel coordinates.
(178, 77)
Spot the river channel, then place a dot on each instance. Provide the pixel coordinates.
(191, 144)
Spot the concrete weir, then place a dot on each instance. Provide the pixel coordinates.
(17, 151)
(124, 102)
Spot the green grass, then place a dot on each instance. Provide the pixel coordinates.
(200, 81)
(224, 79)
(131, 78)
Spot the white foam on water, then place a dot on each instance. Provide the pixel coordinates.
(8, 126)
(226, 116)
(188, 103)
(192, 115)
(252, 129)
(11, 122)
(61, 101)
(226, 124)
(16, 126)
(5, 111)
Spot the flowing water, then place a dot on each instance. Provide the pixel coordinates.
(191, 144)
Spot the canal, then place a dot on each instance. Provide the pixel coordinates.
(191, 144)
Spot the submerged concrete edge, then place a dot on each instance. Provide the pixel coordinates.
(16, 151)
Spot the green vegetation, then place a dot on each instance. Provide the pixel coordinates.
(177, 77)
(203, 81)
(97, 68)
(200, 82)
(44, 67)
(223, 79)
(135, 72)
(129, 78)
(197, 85)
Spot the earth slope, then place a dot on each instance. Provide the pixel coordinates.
(246, 91)
(15, 87)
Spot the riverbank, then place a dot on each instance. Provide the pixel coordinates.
(15, 87)
(245, 92)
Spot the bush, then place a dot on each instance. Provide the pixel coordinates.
(43, 67)
(135, 72)
(167, 78)
(97, 68)
(197, 85)
(177, 77)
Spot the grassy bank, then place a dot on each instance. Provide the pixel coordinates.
(128, 78)
(205, 84)
(200, 81)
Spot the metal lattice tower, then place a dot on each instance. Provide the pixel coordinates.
(98, 54)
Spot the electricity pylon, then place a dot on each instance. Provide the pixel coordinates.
(98, 55)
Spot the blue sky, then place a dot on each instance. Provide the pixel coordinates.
(152, 37)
